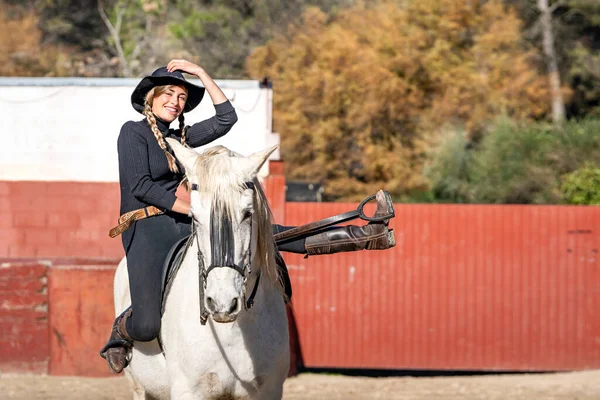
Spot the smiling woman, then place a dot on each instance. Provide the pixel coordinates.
(149, 176)
(168, 101)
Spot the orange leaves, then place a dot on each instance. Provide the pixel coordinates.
(359, 96)
(21, 50)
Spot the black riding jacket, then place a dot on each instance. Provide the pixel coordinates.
(144, 173)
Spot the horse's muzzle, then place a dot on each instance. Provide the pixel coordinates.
(223, 318)
(224, 313)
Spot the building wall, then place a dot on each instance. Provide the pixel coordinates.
(66, 129)
(24, 344)
(81, 316)
(58, 219)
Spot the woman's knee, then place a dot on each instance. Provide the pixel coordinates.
(143, 328)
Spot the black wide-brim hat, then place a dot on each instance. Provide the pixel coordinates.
(162, 77)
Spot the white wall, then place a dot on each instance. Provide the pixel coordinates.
(66, 129)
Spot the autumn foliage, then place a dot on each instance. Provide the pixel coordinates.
(360, 97)
(22, 52)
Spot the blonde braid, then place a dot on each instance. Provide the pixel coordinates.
(182, 128)
(157, 134)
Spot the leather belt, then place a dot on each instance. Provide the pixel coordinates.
(127, 219)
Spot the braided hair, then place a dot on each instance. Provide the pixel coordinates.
(150, 96)
(182, 128)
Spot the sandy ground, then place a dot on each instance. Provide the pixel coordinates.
(573, 386)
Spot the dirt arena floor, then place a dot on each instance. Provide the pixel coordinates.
(562, 386)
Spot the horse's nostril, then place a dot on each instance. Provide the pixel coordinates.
(233, 306)
(210, 303)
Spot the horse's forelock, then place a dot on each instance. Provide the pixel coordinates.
(217, 174)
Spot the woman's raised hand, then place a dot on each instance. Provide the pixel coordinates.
(215, 93)
(185, 66)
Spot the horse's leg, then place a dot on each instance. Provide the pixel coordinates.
(138, 390)
(271, 390)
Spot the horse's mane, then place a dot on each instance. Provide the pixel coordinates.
(217, 174)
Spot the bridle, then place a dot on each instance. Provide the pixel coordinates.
(223, 260)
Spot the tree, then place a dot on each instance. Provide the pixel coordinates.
(576, 31)
(21, 50)
(222, 33)
(134, 33)
(582, 60)
(558, 105)
(70, 22)
(360, 97)
(131, 37)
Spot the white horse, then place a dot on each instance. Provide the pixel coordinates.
(238, 351)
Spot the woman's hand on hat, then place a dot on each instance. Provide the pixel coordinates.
(185, 66)
(213, 90)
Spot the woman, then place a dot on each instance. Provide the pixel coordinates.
(155, 219)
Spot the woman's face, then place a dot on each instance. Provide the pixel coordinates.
(169, 104)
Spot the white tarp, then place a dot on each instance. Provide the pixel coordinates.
(66, 129)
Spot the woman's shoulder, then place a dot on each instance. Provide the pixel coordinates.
(132, 129)
(135, 127)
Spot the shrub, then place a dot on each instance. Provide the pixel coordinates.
(516, 163)
(448, 170)
(511, 165)
(582, 186)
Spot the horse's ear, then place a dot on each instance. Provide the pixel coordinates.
(185, 155)
(259, 158)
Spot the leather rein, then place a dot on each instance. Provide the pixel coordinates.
(319, 226)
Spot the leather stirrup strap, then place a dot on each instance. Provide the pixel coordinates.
(318, 226)
(127, 219)
(313, 227)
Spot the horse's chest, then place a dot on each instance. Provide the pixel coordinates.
(221, 351)
(222, 364)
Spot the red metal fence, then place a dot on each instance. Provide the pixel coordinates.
(468, 287)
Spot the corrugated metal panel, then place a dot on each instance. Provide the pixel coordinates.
(473, 287)
(24, 343)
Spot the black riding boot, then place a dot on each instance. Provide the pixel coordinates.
(117, 350)
(373, 236)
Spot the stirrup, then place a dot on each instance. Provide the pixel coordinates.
(115, 343)
(387, 199)
(317, 227)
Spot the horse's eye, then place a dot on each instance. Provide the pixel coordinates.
(247, 214)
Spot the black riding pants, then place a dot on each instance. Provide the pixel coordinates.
(146, 245)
